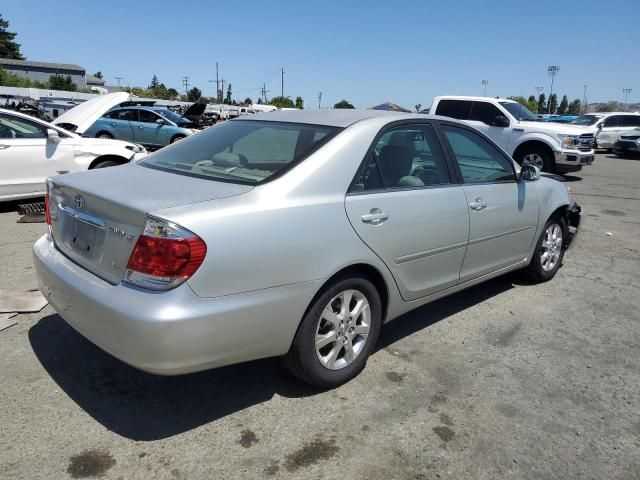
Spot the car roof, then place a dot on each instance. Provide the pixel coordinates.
(331, 117)
(474, 99)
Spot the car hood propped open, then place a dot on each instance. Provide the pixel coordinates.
(81, 117)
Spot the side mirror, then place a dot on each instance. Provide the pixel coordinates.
(529, 173)
(160, 121)
(500, 121)
(53, 135)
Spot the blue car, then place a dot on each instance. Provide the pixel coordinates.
(153, 127)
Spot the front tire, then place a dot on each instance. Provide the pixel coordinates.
(105, 164)
(177, 138)
(549, 251)
(536, 156)
(105, 135)
(337, 334)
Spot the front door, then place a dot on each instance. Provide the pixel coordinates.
(28, 157)
(483, 117)
(405, 208)
(503, 212)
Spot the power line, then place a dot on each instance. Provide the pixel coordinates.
(282, 83)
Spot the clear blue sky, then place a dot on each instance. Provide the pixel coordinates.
(365, 51)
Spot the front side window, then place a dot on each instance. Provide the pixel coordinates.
(459, 109)
(242, 151)
(479, 161)
(147, 117)
(404, 156)
(521, 112)
(485, 112)
(16, 127)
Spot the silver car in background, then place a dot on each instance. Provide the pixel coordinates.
(291, 233)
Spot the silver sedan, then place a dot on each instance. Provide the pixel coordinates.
(295, 234)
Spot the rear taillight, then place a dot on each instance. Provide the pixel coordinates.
(164, 256)
(47, 212)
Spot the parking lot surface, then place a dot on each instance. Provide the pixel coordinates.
(504, 380)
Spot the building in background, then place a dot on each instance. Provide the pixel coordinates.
(42, 71)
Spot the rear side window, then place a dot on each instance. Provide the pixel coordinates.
(129, 115)
(404, 156)
(611, 121)
(460, 109)
(478, 160)
(629, 121)
(485, 112)
(242, 151)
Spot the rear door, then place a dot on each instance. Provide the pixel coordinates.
(119, 121)
(404, 206)
(503, 213)
(28, 157)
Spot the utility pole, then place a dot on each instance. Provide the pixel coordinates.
(217, 85)
(319, 100)
(282, 82)
(626, 92)
(185, 82)
(118, 79)
(264, 92)
(484, 89)
(222, 91)
(553, 71)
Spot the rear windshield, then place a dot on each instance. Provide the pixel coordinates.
(242, 151)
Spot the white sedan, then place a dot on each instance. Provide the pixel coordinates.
(32, 150)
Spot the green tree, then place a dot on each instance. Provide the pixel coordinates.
(172, 93)
(542, 103)
(553, 103)
(10, 80)
(299, 103)
(343, 104)
(8, 48)
(60, 82)
(227, 99)
(247, 101)
(532, 102)
(98, 74)
(155, 83)
(282, 102)
(417, 107)
(194, 94)
(564, 105)
(575, 107)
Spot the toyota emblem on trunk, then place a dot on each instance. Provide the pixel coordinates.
(78, 200)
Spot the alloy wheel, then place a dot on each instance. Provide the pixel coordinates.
(551, 247)
(343, 329)
(533, 159)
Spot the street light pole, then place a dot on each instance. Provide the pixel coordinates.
(553, 71)
(484, 89)
(626, 92)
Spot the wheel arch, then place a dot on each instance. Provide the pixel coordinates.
(533, 143)
(103, 158)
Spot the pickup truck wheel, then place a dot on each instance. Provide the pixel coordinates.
(337, 334)
(547, 257)
(537, 157)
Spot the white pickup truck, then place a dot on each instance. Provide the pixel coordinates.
(552, 147)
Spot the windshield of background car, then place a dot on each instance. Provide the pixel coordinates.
(519, 111)
(174, 117)
(242, 151)
(585, 120)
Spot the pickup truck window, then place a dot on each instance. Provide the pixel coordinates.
(519, 111)
(459, 109)
(485, 112)
(479, 161)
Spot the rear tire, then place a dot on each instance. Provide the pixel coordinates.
(536, 156)
(105, 135)
(549, 251)
(105, 164)
(333, 342)
(177, 138)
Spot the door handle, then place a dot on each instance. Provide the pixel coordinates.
(478, 205)
(3, 147)
(375, 217)
(140, 126)
(113, 124)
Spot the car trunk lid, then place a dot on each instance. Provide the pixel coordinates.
(97, 216)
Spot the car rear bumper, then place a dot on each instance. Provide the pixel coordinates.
(173, 332)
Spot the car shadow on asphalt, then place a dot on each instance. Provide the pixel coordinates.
(145, 407)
